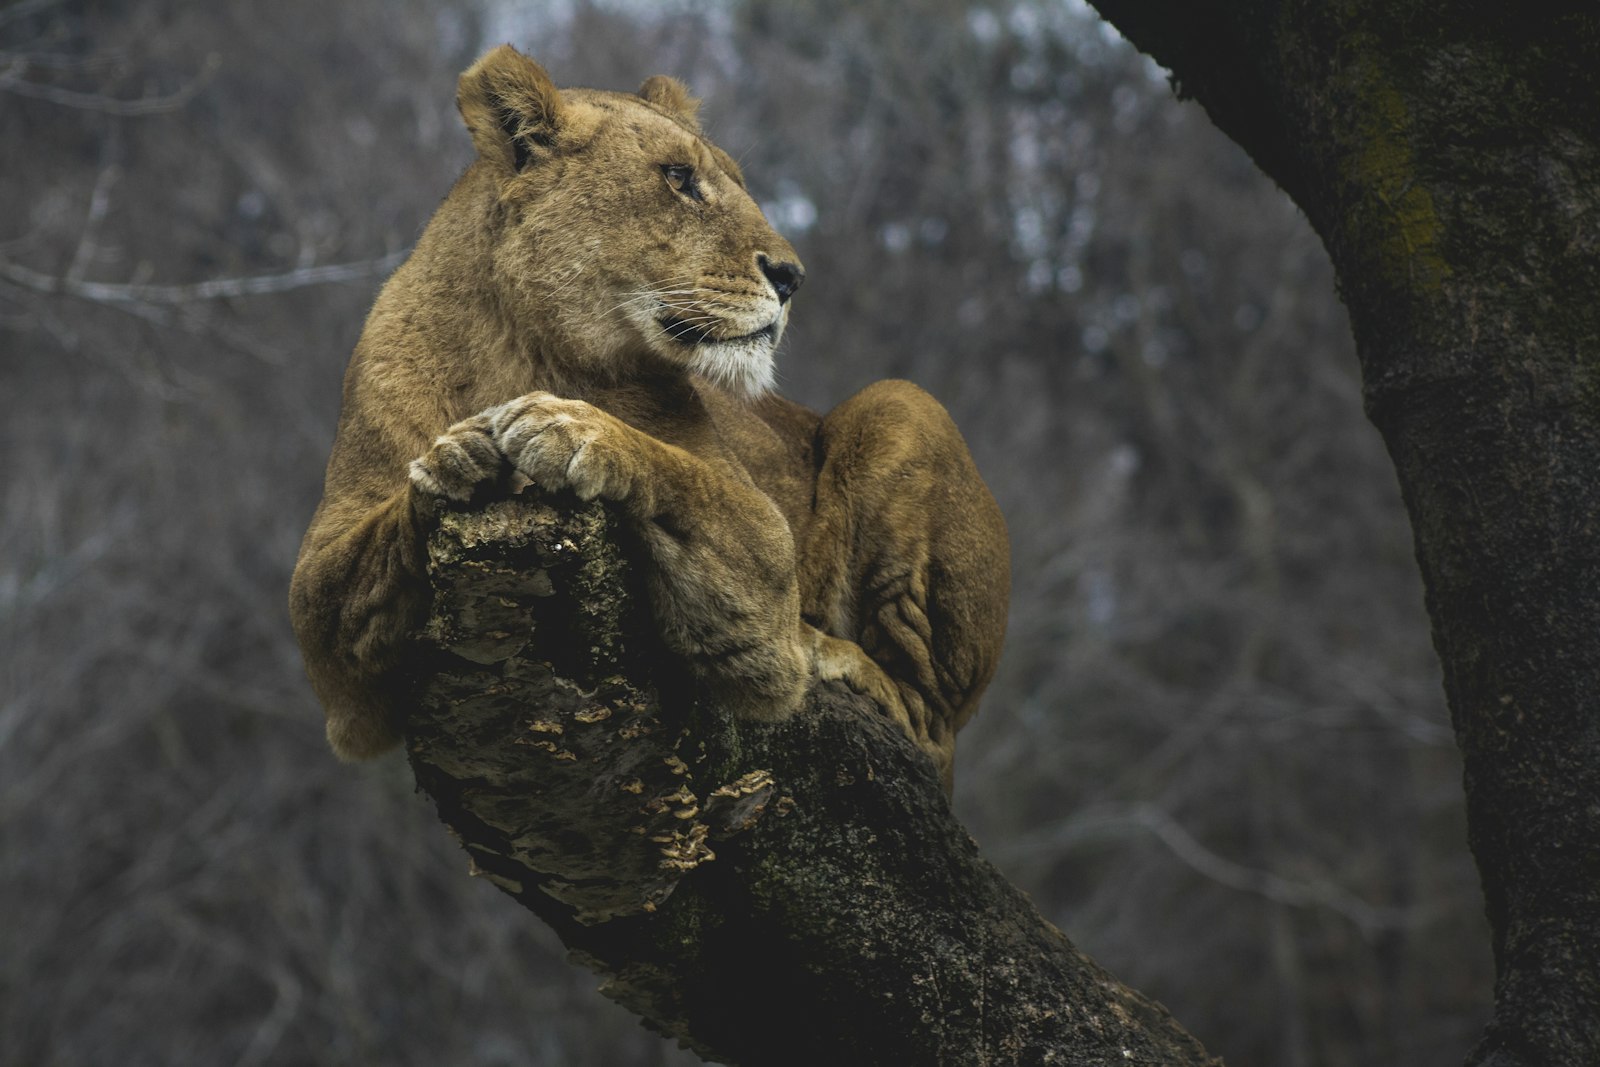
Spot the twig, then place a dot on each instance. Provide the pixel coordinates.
(1088, 825)
(99, 203)
(1370, 918)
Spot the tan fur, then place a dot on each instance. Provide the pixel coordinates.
(595, 306)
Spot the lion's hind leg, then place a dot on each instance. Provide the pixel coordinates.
(907, 557)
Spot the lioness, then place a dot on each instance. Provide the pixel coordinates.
(597, 304)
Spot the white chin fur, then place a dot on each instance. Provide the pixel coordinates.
(742, 367)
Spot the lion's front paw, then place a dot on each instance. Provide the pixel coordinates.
(462, 458)
(565, 444)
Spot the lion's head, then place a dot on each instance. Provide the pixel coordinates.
(617, 232)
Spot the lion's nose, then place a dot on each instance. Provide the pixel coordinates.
(785, 277)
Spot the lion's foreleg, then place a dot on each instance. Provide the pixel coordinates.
(721, 572)
(725, 592)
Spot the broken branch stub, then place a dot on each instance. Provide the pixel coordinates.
(548, 749)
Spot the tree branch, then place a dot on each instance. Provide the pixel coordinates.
(797, 893)
(214, 289)
(12, 81)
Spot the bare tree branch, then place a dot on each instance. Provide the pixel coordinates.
(216, 288)
(12, 81)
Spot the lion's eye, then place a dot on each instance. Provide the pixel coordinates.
(681, 177)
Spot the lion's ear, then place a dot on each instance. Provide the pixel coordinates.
(674, 96)
(510, 106)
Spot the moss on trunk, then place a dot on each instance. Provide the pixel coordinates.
(1446, 155)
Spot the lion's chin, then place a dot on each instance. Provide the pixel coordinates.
(744, 366)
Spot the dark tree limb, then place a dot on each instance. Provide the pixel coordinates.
(1446, 154)
(767, 894)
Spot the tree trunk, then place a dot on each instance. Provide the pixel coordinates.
(768, 894)
(1447, 156)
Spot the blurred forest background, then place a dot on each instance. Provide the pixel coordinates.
(1216, 755)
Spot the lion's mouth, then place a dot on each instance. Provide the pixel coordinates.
(693, 333)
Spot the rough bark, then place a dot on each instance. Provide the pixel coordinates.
(767, 894)
(1446, 154)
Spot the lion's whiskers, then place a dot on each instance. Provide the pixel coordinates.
(645, 296)
(696, 306)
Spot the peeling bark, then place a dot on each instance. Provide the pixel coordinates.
(1446, 154)
(796, 893)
